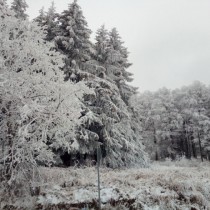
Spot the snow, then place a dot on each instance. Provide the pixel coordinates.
(160, 187)
(83, 195)
(107, 194)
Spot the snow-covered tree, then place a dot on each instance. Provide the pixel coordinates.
(49, 21)
(104, 112)
(112, 125)
(177, 120)
(41, 18)
(19, 7)
(101, 45)
(73, 40)
(113, 56)
(39, 111)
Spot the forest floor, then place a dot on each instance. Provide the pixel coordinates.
(183, 185)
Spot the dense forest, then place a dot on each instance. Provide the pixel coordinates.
(175, 123)
(63, 96)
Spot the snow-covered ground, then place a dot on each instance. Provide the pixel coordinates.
(164, 186)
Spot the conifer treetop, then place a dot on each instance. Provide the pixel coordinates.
(19, 7)
(73, 36)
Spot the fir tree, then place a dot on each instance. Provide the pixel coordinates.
(108, 119)
(113, 56)
(73, 39)
(117, 64)
(101, 45)
(104, 112)
(19, 7)
(51, 22)
(41, 18)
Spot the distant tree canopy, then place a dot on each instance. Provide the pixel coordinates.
(175, 123)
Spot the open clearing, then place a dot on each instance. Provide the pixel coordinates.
(163, 186)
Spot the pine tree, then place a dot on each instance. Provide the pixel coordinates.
(118, 64)
(51, 22)
(101, 45)
(41, 18)
(113, 56)
(104, 112)
(48, 21)
(116, 134)
(19, 7)
(73, 39)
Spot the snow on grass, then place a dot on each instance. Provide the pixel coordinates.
(164, 186)
(159, 187)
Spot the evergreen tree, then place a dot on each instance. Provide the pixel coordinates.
(19, 7)
(101, 45)
(51, 22)
(104, 112)
(111, 121)
(117, 71)
(113, 56)
(41, 18)
(73, 39)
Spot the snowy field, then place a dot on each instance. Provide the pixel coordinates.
(164, 186)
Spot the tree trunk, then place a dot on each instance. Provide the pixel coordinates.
(208, 155)
(186, 148)
(186, 143)
(156, 155)
(194, 150)
(155, 141)
(189, 147)
(200, 147)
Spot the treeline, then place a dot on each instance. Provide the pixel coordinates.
(175, 122)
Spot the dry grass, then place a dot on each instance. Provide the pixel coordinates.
(163, 186)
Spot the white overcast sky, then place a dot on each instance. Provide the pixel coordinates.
(168, 40)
